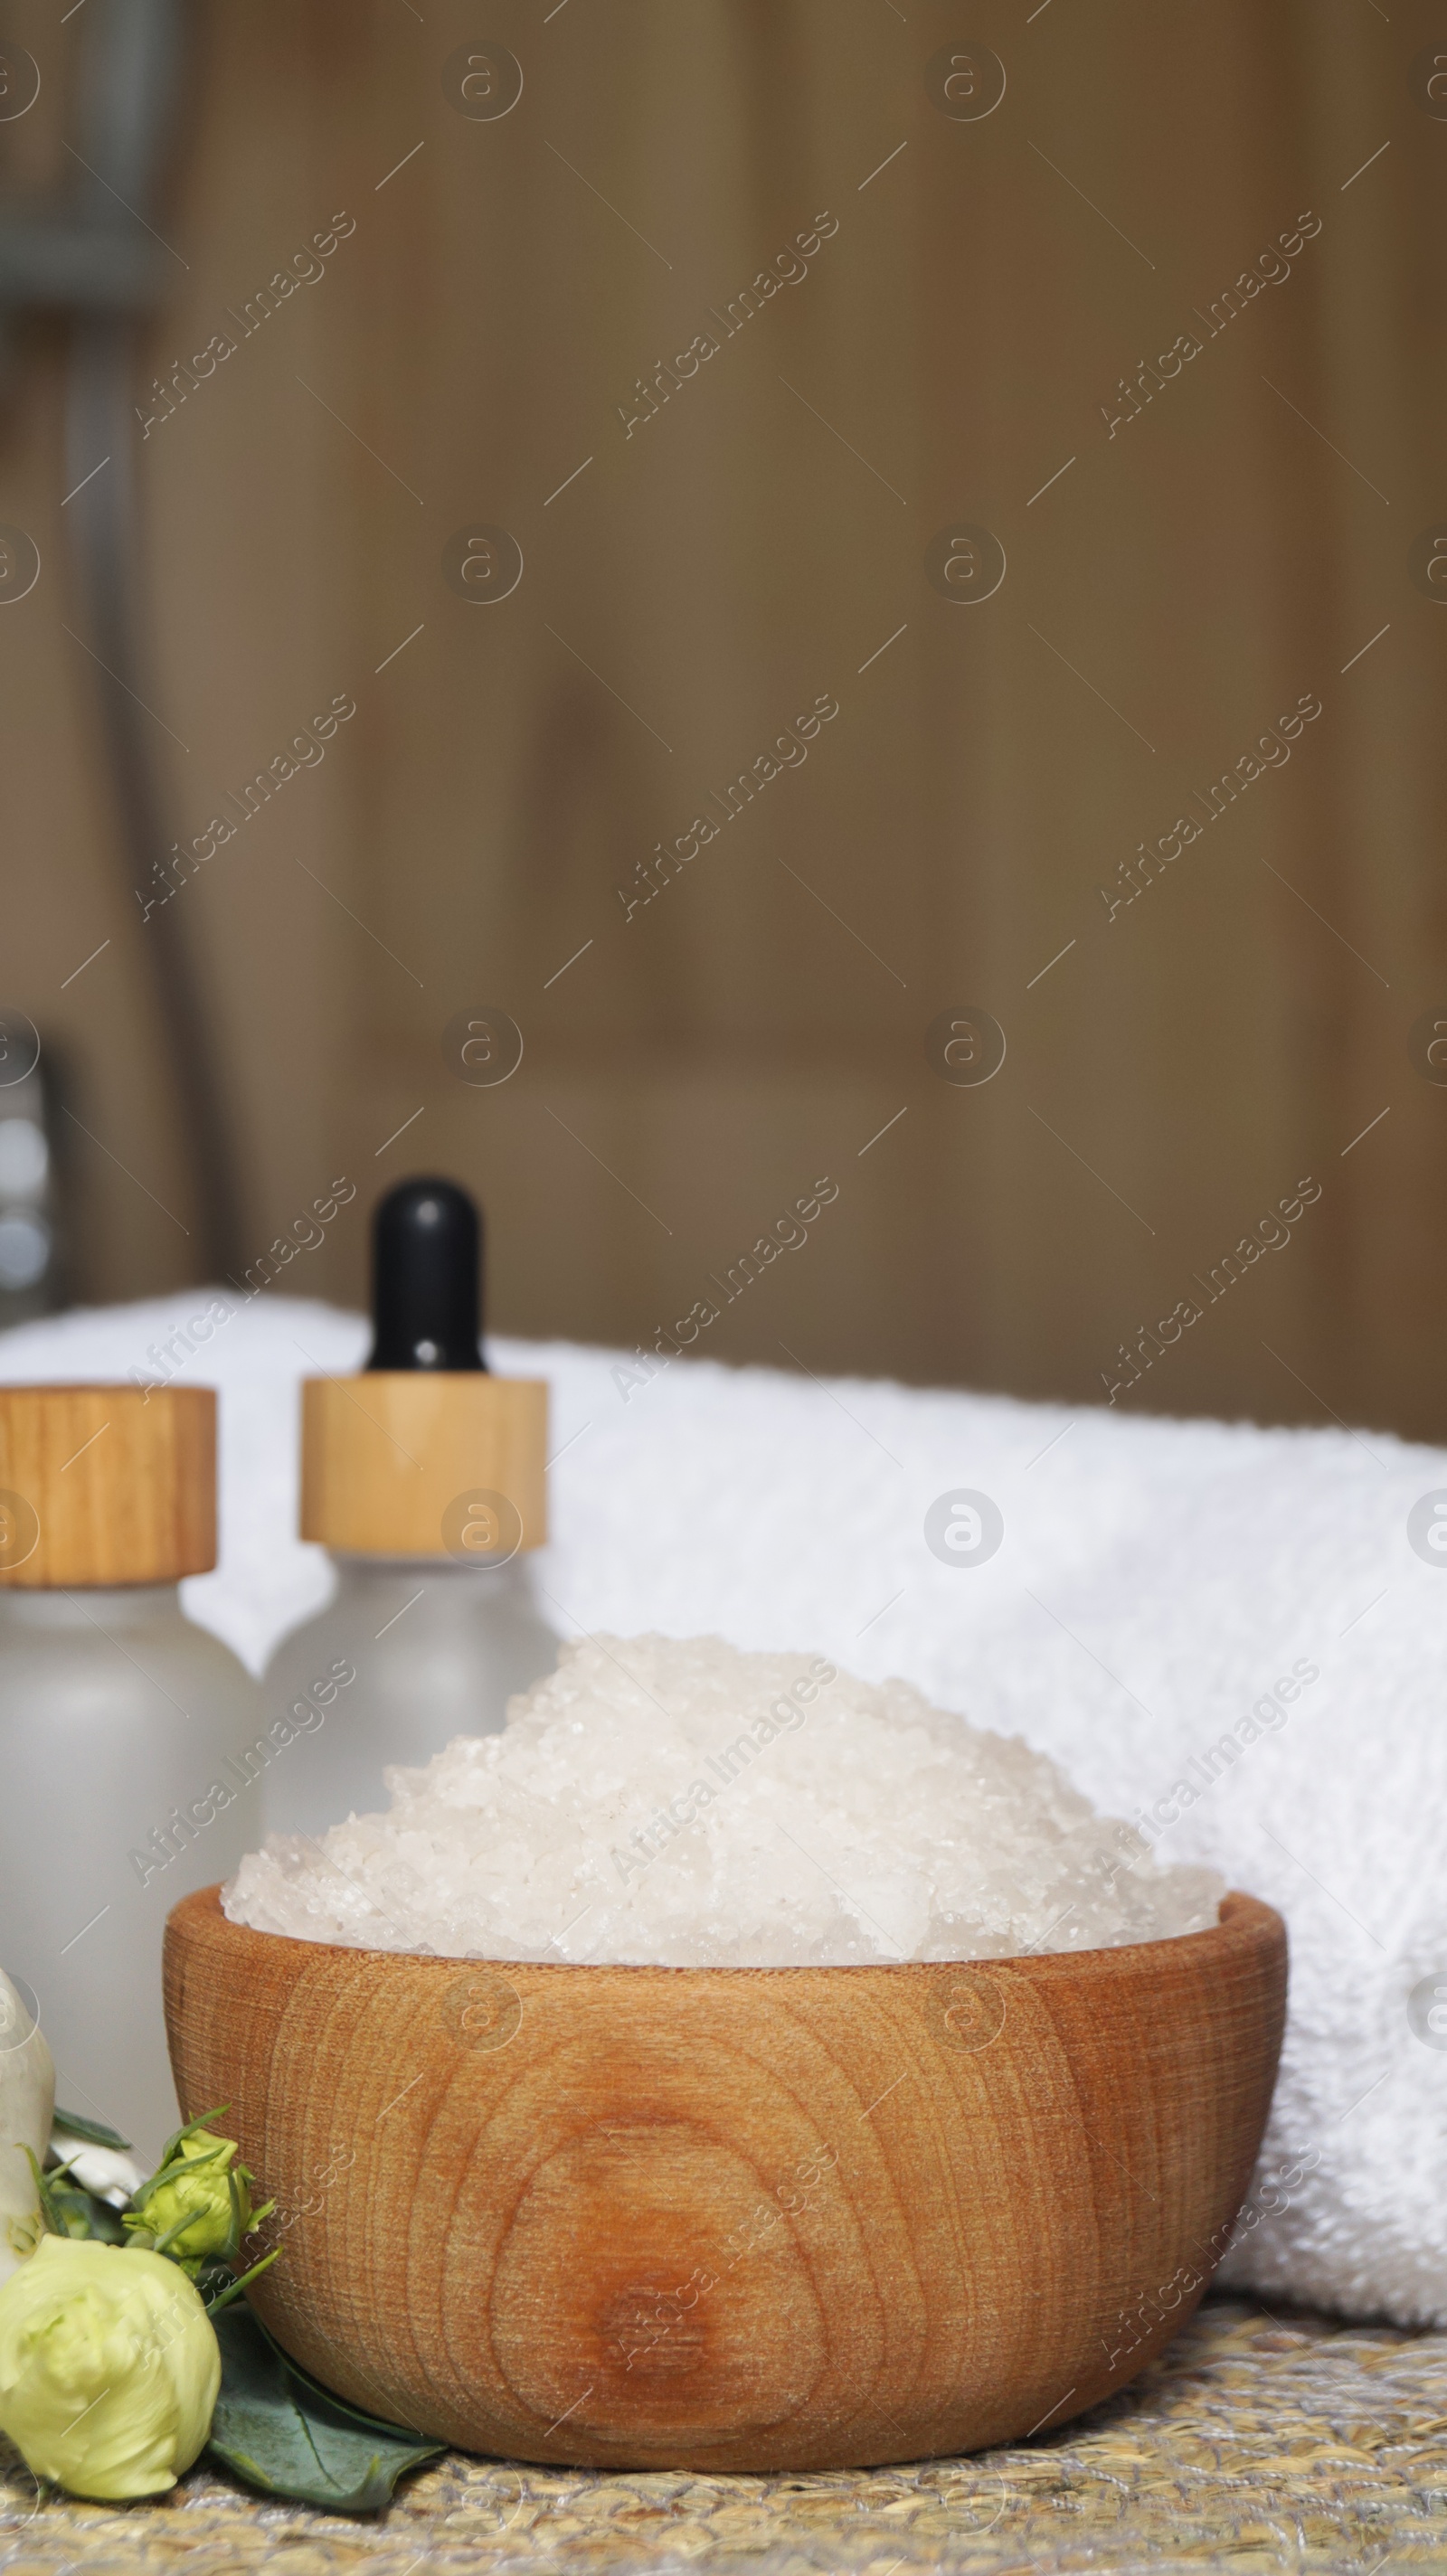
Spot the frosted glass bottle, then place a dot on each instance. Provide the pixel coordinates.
(435, 1649)
(123, 1726)
(425, 1477)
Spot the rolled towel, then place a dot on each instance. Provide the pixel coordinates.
(1235, 1636)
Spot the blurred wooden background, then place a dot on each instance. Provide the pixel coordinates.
(1173, 1071)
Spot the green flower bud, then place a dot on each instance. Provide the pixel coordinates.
(197, 2206)
(109, 2368)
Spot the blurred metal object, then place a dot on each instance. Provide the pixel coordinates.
(49, 260)
(93, 254)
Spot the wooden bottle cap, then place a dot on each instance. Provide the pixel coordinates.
(106, 1484)
(425, 1462)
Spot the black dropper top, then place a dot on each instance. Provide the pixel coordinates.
(426, 1278)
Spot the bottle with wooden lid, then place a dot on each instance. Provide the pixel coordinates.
(425, 1477)
(127, 1733)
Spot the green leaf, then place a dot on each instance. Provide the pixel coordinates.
(67, 2210)
(94, 2132)
(169, 2150)
(81, 2214)
(329, 2397)
(281, 2432)
(219, 2285)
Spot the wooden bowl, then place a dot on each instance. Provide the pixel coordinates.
(733, 2218)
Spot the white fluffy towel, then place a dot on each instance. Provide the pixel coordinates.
(1237, 1633)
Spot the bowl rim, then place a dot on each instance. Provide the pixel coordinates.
(1241, 1919)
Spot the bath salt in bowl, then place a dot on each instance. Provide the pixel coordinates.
(945, 2155)
(680, 1804)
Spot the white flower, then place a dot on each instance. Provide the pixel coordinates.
(109, 2368)
(105, 2171)
(27, 2098)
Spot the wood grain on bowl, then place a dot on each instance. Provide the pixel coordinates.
(733, 2219)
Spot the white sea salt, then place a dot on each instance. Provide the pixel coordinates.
(678, 1802)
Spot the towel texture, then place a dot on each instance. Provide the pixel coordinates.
(1226, 1633)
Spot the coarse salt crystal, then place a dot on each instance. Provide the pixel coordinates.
(677, 1802)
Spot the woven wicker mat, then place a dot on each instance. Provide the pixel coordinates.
(1257, 2443)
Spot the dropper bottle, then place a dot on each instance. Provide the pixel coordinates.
(128, 1735)
(426, 1478)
